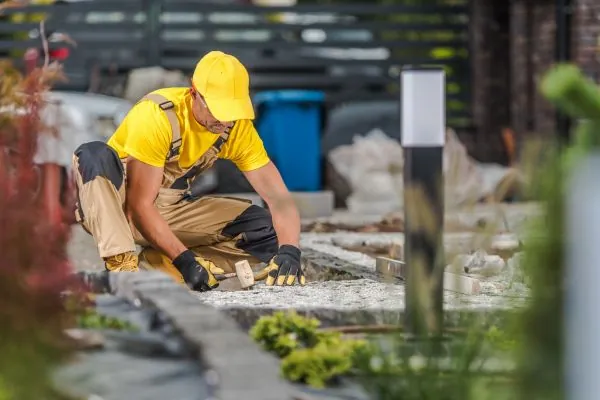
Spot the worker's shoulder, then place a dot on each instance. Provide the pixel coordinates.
(150, 105)
(243, 126)
(177, 95)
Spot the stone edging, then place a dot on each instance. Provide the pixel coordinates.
(320, 264)
(243, 370)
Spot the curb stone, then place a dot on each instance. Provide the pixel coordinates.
(320, 264)
(330, 317)
(242, 369)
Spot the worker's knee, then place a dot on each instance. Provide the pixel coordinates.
(98, 159)
(258, 237)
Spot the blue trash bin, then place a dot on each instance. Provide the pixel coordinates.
(289, 123)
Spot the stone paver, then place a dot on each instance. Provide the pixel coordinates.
(144, 365)
(314, 204)
(243, 370)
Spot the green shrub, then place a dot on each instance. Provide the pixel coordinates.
(308, 355)
(321, 364)
(90, 319)
(283, 333)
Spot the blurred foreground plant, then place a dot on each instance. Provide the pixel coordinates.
(34, 266)
(541, 342)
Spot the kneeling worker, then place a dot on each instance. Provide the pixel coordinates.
(135, 189)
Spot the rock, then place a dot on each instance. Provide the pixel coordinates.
(506, 246)
(397, 251)
(314, 204)
(390, 267)
(145, 80)
(515, 270)
(461, 284)
(85, 339)
(480, 263)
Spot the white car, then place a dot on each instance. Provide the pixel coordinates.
(85, 117)
(78, 118)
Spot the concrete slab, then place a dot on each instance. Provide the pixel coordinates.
(314, 204)
(506, 216)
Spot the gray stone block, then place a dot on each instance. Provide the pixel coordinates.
(390, 267)
(245, 371)
(124, 283)
(314, 204)
(322, 266)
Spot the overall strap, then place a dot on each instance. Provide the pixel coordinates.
(222, 139)
(184, 181)
(168, 107)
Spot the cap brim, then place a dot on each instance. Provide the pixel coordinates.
(230, 110)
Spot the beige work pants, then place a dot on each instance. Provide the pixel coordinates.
(221, 229)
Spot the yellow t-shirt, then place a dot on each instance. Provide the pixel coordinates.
(145, 134)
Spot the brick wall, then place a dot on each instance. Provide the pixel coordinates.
(520, 65)
(586, 35)
(543, 54)
(490, 56)
(527, 54)
(532, 46)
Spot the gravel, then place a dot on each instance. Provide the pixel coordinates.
(360, 294)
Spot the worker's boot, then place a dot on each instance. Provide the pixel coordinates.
(124, 262)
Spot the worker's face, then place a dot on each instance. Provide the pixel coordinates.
(204, 116)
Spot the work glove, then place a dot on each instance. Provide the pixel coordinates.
(284, 269)
(198, 273)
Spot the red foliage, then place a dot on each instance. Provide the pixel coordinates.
(34, 265)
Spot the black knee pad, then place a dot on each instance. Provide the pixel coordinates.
(258, 235)
(99, 159)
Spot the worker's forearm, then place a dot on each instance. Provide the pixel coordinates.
(286, 221)
(155, 230)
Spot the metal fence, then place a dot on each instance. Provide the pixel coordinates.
(353, 52)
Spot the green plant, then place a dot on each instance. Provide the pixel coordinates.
(321, 358)
(540, 355)
(424, 370)
(320, 365)
(308, 355)
(282, 333)
(91, 319)
(501, 340)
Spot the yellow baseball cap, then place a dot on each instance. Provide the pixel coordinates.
(225, 85)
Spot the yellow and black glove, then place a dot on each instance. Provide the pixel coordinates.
(284, 269)
(197, 272)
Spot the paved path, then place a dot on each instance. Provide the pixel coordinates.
(358, 294)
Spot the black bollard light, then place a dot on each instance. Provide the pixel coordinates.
(423, 121)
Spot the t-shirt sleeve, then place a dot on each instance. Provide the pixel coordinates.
(245, 147)
(148, 134)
